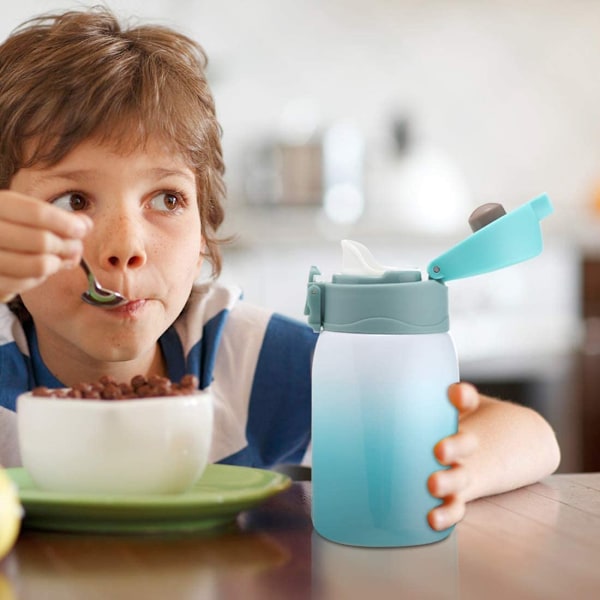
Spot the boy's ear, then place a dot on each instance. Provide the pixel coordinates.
(201, 257)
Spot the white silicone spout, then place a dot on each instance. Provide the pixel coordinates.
(358, 260)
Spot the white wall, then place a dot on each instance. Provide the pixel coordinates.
(507, 88)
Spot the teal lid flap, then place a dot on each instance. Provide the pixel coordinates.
(509, 239)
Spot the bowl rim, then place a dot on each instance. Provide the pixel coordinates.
(196, 396)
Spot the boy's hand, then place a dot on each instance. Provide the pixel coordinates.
(37, 239)
(450, 484)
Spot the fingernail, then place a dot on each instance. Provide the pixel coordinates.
(448, 450)
(83, 225)
(442, 486)
(70, 264)
(439, 520)
(72, 248)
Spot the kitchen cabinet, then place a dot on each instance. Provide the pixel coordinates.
(589, 364)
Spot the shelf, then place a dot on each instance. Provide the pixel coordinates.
(290, 225)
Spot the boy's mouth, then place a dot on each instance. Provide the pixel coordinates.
(130, 309)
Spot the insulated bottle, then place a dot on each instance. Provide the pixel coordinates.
(381, 370)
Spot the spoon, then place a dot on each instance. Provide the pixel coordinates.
(96, 295)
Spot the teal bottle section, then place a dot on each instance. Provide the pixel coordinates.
(383, 304)
(379, 407)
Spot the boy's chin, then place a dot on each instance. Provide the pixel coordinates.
(122, 350)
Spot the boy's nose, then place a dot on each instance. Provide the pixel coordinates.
(122, 244)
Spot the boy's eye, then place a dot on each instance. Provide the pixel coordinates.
(70, 201)
(166, 201)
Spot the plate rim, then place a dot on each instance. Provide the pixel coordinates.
(136, 515)
(276, 483)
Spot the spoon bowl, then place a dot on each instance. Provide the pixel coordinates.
(98, 296)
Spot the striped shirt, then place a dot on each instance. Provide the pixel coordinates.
(257, 364)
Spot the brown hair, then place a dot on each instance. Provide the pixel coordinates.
(67, 77)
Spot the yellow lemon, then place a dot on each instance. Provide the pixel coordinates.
(10, 514)
(6, 589)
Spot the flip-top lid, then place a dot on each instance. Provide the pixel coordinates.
(367, 297)
(500, 239)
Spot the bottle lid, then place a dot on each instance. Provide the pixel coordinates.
(367, 297)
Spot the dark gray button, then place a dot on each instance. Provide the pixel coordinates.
(485, 214)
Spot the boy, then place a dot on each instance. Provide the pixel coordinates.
(110, 148)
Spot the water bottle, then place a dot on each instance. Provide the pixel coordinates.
(381, 370)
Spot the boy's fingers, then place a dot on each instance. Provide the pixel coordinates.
(37, 239)
(10, 287)
(21, 267)
(449, 513)
(455, 448)
(28, 271)
(7, 296)
(448, 482)
(21, 239)
(464, 397)
(37, 214)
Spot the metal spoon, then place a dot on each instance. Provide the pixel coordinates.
(96, 295)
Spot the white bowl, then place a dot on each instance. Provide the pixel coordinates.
(137, 446)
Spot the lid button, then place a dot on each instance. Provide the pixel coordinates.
(485, 214)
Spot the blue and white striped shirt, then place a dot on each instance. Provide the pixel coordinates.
(256, 362)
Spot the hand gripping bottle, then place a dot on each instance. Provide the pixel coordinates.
(381, 369)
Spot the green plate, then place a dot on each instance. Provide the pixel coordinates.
(212, 503)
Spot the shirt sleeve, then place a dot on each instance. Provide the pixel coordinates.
(279, 411)
(9, 444)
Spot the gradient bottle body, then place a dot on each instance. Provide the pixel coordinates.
(379, 407)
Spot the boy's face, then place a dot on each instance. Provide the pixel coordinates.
(146, 244)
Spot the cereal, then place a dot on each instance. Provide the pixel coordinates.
(107, 388)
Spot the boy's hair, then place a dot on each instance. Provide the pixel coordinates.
(71, 76)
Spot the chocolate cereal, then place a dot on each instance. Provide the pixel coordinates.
(107, 388)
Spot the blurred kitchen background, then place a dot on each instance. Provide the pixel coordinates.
(388, 122)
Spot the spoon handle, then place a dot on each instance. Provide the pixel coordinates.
(85, 267)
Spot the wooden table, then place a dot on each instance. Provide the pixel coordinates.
(542, 542)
